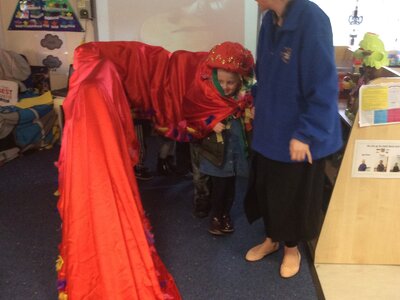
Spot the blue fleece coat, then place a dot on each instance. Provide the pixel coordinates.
(297, 85)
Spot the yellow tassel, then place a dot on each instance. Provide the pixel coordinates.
(247, 112)
(56, 134)
(161, 129)
(59, 263)
(62, 296)
(191, 130)
(57, 193)
(220, 139)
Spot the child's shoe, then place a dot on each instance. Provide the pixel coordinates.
(226, 224)
(215, 227)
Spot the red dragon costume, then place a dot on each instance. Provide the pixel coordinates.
(107, 249)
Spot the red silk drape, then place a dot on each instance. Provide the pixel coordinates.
(172, 89)
(141, 68)
(106, 246)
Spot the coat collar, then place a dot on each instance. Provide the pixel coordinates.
(293, 14)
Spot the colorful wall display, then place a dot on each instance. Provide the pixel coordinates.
(49, 15)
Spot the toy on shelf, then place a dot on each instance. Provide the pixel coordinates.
(373, 57)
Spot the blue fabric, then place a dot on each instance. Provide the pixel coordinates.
(29, 129)
(8, 109)
(297, 85)
(29, 116)
(235, 160)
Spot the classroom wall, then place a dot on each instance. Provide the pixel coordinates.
(174, 24)
(194, 25)
(28, 42)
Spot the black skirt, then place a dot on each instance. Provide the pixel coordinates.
(288, 196)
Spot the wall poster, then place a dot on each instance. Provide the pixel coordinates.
(49, 15)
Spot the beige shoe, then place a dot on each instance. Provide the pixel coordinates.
(290, 265)
(260, 251)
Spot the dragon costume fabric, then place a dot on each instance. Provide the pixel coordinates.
(107, 249)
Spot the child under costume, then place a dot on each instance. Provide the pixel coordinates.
(223, 156)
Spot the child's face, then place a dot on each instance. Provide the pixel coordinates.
(230, 82)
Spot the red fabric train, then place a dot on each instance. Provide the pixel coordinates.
(107, 249)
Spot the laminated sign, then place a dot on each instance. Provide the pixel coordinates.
(8, 93)
(379, 104)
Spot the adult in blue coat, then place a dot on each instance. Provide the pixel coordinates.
(296, 126)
